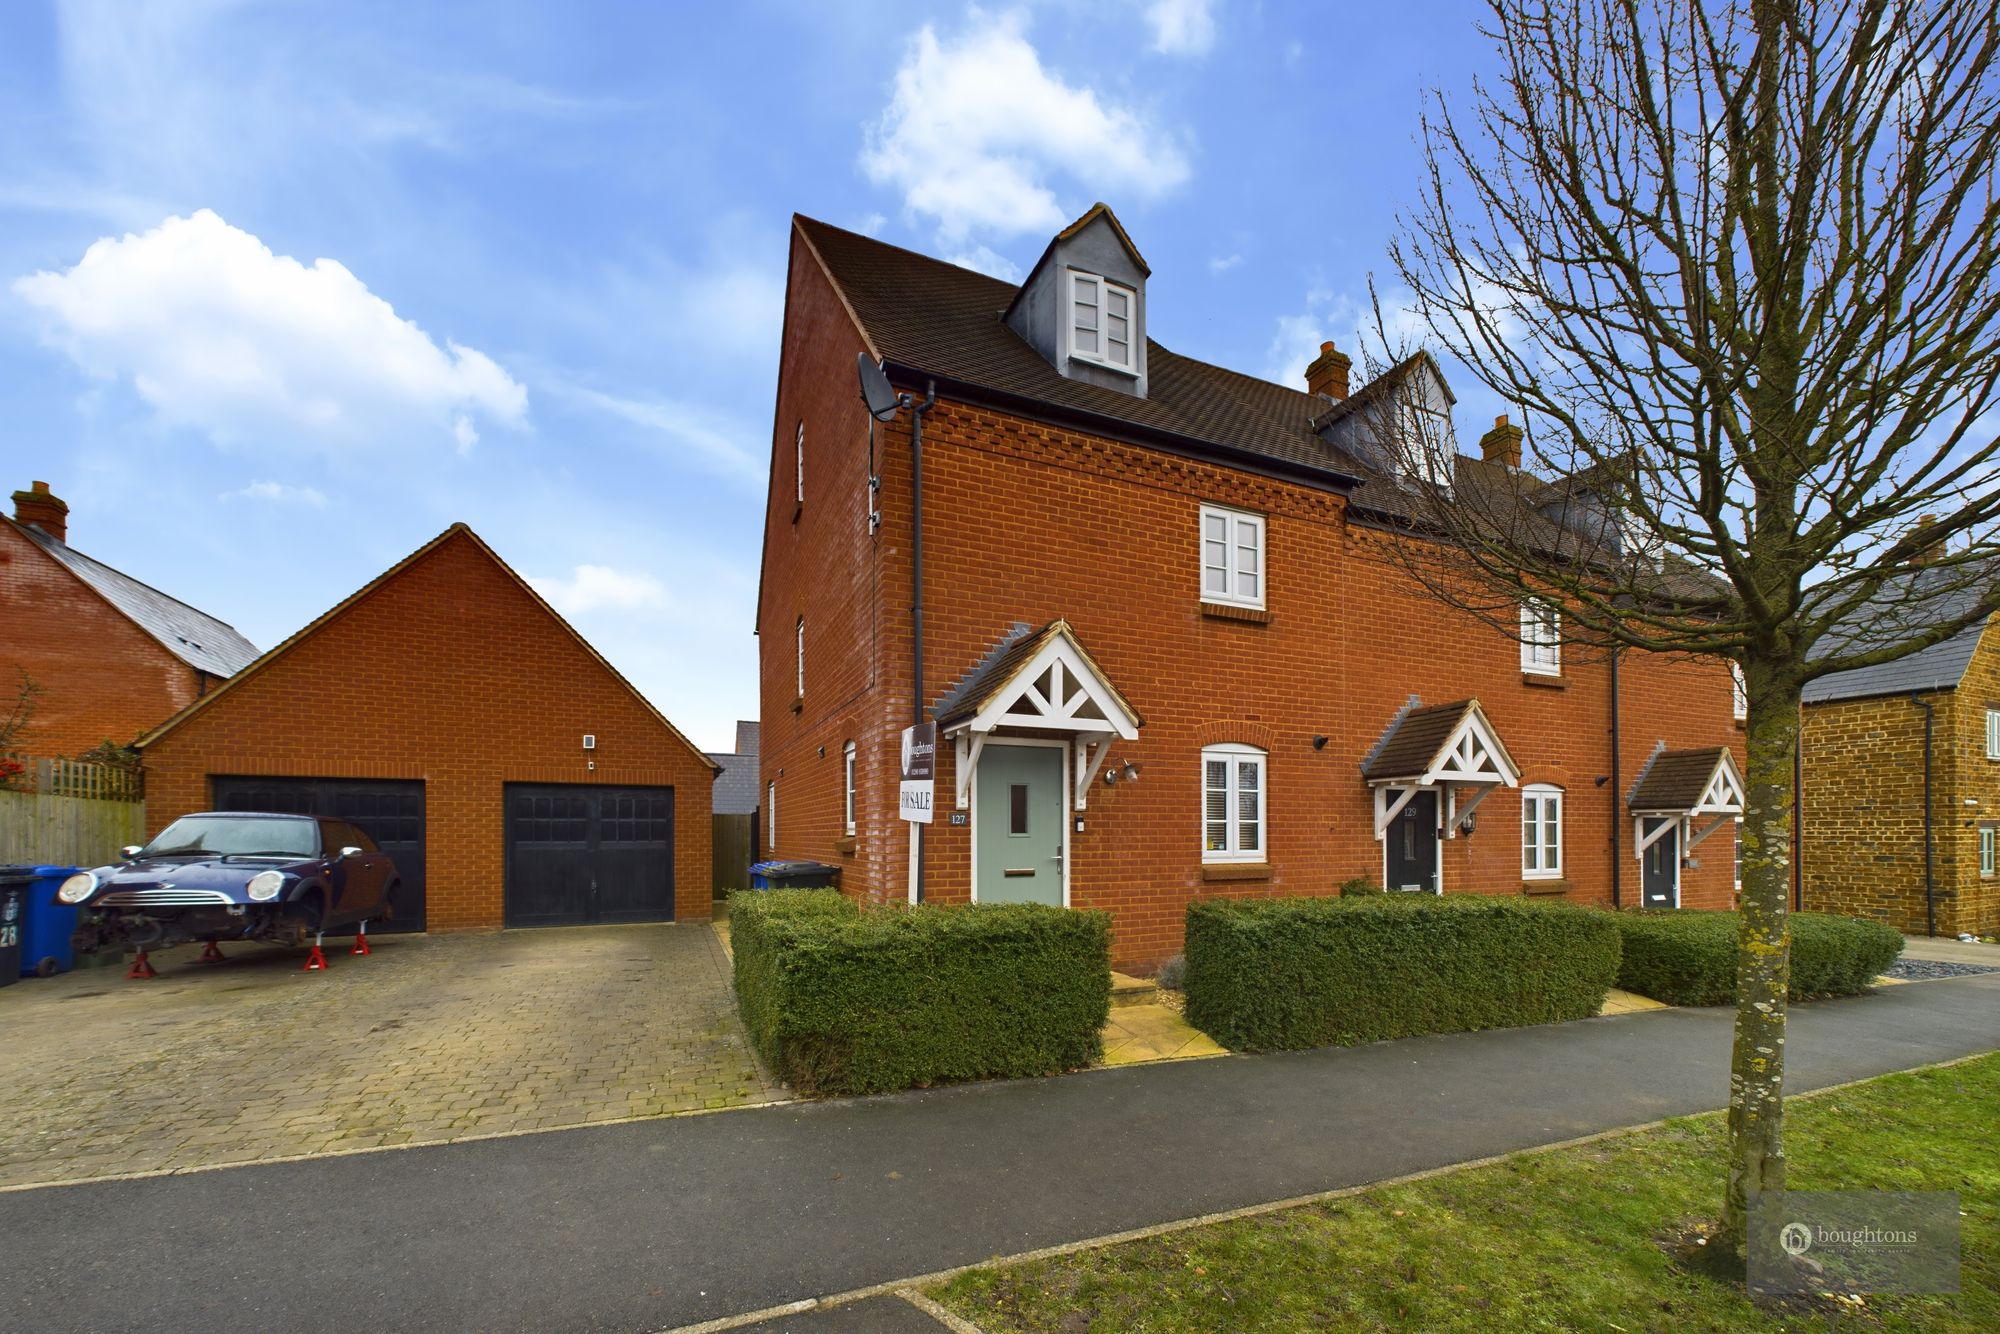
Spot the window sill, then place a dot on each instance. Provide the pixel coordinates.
(799, 704)
(844, 846)
(1235, 871)
(1534, 888)
(1229, 611)
(1543, 681)
(1086, 359)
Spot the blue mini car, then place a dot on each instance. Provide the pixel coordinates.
(235, 876)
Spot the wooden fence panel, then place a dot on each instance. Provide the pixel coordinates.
(37, 828)
(732, 846)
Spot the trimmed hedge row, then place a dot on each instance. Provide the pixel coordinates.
(840, 1000)
(1284, 974)
(1687, 957)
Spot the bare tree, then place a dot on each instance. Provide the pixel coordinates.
(1738, 266)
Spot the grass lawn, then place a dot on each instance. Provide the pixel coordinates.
(1572, 1239)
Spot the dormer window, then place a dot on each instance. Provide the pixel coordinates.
(1100, 321)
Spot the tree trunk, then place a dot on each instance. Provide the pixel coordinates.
(1763, 956)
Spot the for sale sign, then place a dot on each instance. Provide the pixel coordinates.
(919, 771)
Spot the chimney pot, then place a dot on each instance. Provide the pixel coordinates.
(38, 507)
(1502, 444)
(1328, 373)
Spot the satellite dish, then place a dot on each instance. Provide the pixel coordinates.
(875, 390)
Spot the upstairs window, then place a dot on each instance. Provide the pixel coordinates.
(1541, 833)
(799, 463)
(802, 658)
(1739, 699)
(1101, 321)
(1541, 638)
(1232, 557)
(1232, 804)
(1993, 734)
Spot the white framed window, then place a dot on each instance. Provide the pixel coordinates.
(1739, 856)
(1739, 700)
(799, 463)
(1101, 318)
(1541, 638)
(1232, 804)
(850, 789)
(771, 816)
(1232, 557)
(802, 659)
(1541, 833)
(1989, 847)
(1993, 734)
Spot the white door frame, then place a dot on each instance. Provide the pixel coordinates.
(1437, 836)
(1064, 804)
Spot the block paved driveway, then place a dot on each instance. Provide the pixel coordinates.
(429, 1039)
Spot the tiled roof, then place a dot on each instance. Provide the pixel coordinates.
(746, 737)
(735, 791)
(1927, 598)
(1415, 741)
(991, 672)
(193, 636)
(1675, 780)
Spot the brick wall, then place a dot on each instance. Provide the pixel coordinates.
(1030, 522)
(1863, 772)
(451, 672)
(102, 677)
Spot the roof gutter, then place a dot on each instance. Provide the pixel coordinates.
(1249, 460)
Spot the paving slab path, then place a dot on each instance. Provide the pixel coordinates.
(656, 1223)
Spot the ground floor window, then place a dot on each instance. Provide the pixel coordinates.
(1232, 804)
(771, 816)
(1989, 835)
(1541, 833)
(850, 789)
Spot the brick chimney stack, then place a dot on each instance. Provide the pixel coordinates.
(1502, 444)
(1328, 373)
(1931, 549)
(39, 508)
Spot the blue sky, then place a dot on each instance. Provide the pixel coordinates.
(285, 289)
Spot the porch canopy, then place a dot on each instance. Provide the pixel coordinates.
(1450, 748)
(1678, 788)
(1037, 682)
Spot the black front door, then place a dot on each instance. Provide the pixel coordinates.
(1660, 870)
(391, 813)
(577, 855)
(1412, 838)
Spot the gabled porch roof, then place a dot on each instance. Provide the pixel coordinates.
(1444, 744)
(1039, 679)
(1704, 781)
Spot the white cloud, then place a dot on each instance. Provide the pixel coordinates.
(1224, 263)
(1349, 323)
(216, 332)
(278, 493)
(591, 588)
(986, 260)
(1181, 27)
(713, 441)
(977, 126)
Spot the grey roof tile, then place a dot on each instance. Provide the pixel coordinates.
(735, 791)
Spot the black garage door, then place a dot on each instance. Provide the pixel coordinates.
(390, 813)
(589, 854)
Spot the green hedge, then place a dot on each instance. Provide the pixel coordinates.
(1279, 974)
(1684, 957)
(840, 1000)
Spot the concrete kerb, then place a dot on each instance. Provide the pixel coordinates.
(910, 1287)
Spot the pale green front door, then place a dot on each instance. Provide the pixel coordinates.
(1018, 824)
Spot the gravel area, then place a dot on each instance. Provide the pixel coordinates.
(1927, 970)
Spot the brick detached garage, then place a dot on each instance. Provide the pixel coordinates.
(445, 709)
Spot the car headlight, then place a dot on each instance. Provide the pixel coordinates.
(77, 888)
(264, 886)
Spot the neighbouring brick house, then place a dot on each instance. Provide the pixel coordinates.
(1872, 741)
(448, 711)
(1167, 642)
(111, 655)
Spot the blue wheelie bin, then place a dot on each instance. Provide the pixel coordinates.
(45, 935)
(793, 875)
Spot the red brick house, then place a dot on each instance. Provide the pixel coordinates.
(452, 714)
(111, 655)
(1166, 639)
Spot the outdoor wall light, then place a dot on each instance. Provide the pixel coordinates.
(1115, 773)
(1601, 780)
(1319, 743)
(1468, 824)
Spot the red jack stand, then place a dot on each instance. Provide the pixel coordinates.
(211, 953)
(141, 969)
(361, 941)
(316, 959)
